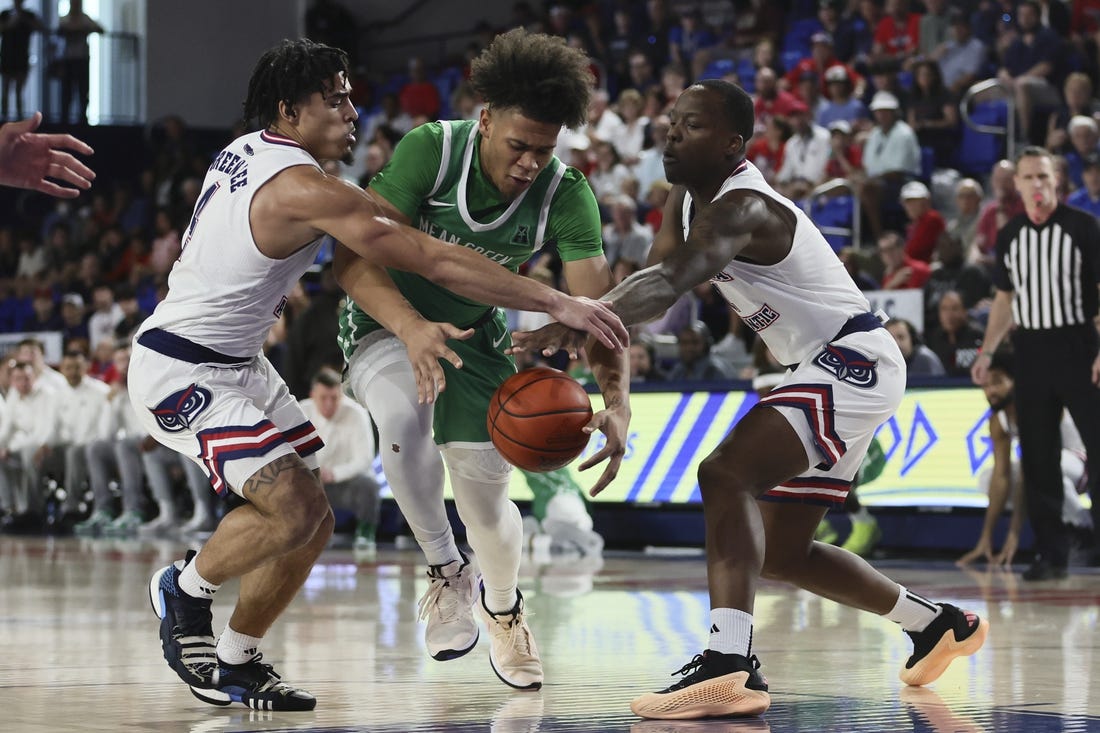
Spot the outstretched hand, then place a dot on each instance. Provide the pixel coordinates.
(593, 317)
(427, 344)
(613, 424)
(28, 159)
(549, 339)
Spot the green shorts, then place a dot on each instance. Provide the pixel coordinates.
(461, 409)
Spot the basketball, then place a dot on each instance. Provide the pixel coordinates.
(535, 419)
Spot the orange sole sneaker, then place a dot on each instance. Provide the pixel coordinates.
(721, 696)
(947, 649)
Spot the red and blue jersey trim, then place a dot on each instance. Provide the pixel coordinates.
(818, 490)
(816, 402)
(270, 137)
(217, 446)
(304, 439)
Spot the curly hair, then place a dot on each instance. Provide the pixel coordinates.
(536, 74)
(290, 72)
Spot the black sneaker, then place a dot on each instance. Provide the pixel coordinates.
(954, 633)
(714, 685)
(255, 685)
(1043, 569)
(186, 634)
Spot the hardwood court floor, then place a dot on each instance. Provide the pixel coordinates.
(79, 650)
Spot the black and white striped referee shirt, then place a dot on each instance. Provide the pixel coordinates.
(1053, 269)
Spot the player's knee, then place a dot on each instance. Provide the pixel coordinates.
(783, 564)
(483, 465)
(304, 514)
(719, 477)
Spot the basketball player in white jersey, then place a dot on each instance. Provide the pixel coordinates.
(769, 483)
(201, 385)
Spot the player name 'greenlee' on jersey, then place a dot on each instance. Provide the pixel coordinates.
(435, 179)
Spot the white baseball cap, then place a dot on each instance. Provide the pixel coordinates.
(884, 100)
(915, 190)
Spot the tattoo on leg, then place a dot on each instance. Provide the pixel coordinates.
(269, 474)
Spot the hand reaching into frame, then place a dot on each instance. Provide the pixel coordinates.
(29, 159)
(427, 344)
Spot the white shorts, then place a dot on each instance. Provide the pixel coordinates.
(231, 420)
(835, 400)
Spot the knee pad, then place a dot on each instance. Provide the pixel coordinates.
(481, 464)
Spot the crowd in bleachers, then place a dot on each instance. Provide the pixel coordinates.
(857, 118)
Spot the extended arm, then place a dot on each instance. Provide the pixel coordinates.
(719, 232)
(1000, 321)
(373, 290)
(591, 277)
(326, 204)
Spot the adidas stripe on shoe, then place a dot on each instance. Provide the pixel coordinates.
(255, 685)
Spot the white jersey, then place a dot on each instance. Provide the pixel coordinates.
(223, 293)
(797, 304)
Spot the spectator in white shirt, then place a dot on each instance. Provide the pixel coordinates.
(27, 430)
(106, 315)
(891, 157)
(116, 451)
(348, 455)
(651, 166)
(805, 155)
(609, 174)
(79, 416)
(626, 242)
(632, 137)
(603, 123)
(31, 351)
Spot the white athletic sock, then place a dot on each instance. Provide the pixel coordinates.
(730, 631)
(441, 550)
(237, 648)
(194, 584)
(913, 612)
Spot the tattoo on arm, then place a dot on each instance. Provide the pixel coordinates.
(266, 477)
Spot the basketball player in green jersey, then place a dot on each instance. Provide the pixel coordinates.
(492, 185)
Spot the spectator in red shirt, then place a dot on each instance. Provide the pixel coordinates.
(820, 60)
(766, 151)
(419, 97)
(1006, 204)
(845, 157)
(770, 99)
(925, 223)
(897, 35)
(900, 271)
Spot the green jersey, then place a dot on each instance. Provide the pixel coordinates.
(435, 179)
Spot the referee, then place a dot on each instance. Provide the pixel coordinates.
(1047, 269)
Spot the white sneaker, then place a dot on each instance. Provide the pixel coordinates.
(512, 650)
(568, 537)
(448, 608)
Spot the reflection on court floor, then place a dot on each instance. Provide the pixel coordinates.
(80, 650)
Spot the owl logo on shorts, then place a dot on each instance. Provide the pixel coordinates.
(848, 365)
(176, 411)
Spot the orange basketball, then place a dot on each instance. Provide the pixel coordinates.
(535, 419)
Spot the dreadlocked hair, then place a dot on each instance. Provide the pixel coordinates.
(290, 72)
(536, 74)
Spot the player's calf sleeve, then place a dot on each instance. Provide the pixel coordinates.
(480, 478)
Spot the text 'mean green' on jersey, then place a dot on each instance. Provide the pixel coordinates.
(435, 179)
